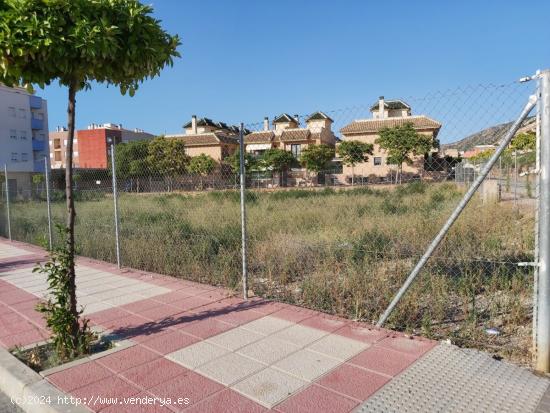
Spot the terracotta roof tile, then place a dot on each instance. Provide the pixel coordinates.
(212, 138)
(374, 125)
(259, 137)
(295, 135)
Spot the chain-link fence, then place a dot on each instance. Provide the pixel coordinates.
(340, 205)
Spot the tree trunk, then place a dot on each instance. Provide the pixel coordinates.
(352, 175)
(71, 214)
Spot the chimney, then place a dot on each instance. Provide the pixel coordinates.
(266, 123)
(194, 124)
(297, 118)
(381, 107)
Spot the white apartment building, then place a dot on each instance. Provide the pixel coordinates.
(23, 135)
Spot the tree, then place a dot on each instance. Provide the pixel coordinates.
(316, 157)
(131, 160)
(402, 143)
(77, 42)
(354, 152)
(524, 142)
(234, 161)
(166, 157)
(201, 165)
(277, 160)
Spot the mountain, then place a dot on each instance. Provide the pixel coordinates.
(489, 136)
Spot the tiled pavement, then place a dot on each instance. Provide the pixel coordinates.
(213, 351)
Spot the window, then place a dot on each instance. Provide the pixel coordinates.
(22, 113)
(57, 156)
(11, 112)
(24, 157)
(377, 161)
(23, 134)
(13, 134)
(14, 156)
(57, 143)
(296, 150)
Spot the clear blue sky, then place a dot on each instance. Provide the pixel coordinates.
(242, 60)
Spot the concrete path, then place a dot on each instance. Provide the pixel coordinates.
(196, 348)
(6, 406)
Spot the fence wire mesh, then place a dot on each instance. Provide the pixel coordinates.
(340, 206)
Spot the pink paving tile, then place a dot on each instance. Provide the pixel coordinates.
(169, 342)
(190, 303)
(161, 312)
(25, 338)
(195, 289)
(188, 385)
(78, 376)
(128, 358)
(16, 296)
(362, 332)
(154, 372)
(324, 323)
(125, 323)
(171, 296)
(316, 399)
(205, 328)
(217, 294)
(239, 317)
(25, 306)
(383, 360)
(140, 403)
(14, 324)
(294, 314)
(103, 393)
(110, 314)
(226, 401)
(409, 345)
(138, 306)
(353, 381)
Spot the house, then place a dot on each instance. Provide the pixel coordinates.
(386, 114)
(204, 136)
(289, 136)
(91, 145)
(23, 133)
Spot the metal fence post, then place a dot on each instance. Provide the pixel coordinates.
(242, 171)
(542, 333)
(115, 201)
(7, 200)
(48, 204)
(460, 207)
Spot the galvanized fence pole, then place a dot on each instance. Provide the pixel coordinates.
(542, 333)
(115, 201)
(458, 210)
(242, 171)
(48, 203)
(7, 200)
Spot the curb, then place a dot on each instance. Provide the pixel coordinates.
(19, 381)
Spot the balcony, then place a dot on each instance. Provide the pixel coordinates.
(37, 123)
(38, 145)
(38, 166)
(35, 102)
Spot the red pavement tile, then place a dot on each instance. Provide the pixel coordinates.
(14, 324)
(191, 303)
(188, 385)
(138, 306)
(159, 313)
(362, 333)
(328, 324)
(409, 345)
(78, 376)
(353, 381)
(205, 328)
(169, 342)
(128, 358)
(128, 322)
(25, 338)
(383, 360)
(294, 314)
(110, 314)
(239, 317)
(316, 399)
(195, 289)
(16, 296)
(154, 372)
(226, 401)
(217, 294)
(104, 393)
(171, 296)
(140, 403)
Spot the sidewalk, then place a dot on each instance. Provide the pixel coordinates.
(197, 348)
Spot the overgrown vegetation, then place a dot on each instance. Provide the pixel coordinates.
(345, 252)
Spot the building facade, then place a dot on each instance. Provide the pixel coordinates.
(91, 145)
(23, 136)
(386, 114)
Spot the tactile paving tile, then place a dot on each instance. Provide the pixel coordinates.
(451, 379)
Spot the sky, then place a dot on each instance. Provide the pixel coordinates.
(243, 60)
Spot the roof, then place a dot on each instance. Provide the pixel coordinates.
(301, 134)
(259, 137)
(200, 139)
(284, 117)
(374, 125)
(318, 116)
(391, 104)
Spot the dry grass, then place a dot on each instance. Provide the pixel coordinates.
(343, 252)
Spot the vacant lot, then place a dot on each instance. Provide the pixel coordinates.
(342, 252)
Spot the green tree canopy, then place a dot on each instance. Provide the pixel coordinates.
(277, 159)
(234, 161)
(201, 165)
(167, 157)
(131, 159)
(315, 158)
(403, 142)
(354, 152)
(524, 142)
